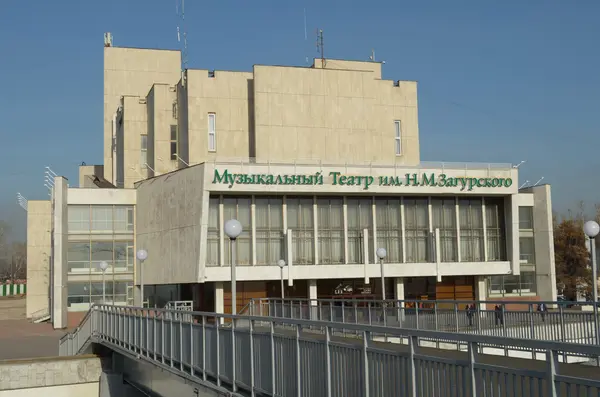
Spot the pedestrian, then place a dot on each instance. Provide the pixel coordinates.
(470, 309)
(542, 309)
(497, 314)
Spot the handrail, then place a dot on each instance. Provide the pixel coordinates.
(580, 348)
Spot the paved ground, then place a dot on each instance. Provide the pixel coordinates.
(23, 339)
(12, 308)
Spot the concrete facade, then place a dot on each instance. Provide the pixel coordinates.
(39, 246)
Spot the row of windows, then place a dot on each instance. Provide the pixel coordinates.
(85, 219)
(86, 256)
(174, 141)
(82, 294)
(523, 284)
(465, 229)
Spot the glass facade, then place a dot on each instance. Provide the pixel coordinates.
(523, 284)
(469, 229)
(100, 233)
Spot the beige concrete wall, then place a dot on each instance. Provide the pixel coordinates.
(132, 71)
(338, 116)
(64, 376)
(229, 96)
(87, 173)
(168, 227)
(342, 64)
(160, 101)
(39, 226)
(60, 238)
(135, 124)
(543, 233)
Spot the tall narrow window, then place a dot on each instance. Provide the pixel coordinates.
(389, 228)
(212, 132)
(331, 230)
(239, 208)
(268, 214)
(174, 142)
(471, 229)
(300, 221)
(398, 137)
(444, 219)
(360, 217)
(496, 238)
(143, 150)
(416, 225)
(212, 244)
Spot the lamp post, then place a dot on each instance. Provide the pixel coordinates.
(381, 254)
(281, 264)
(233, 228)
(103, 266)
(142, 255)
(591, 229)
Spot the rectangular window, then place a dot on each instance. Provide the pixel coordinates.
(143, 150)
(523, 284)
(120, 256)
(78, 296)
(123, 221)
(444, 219)
(300, 220)
(526, 218)
(268, 213)
(330, 227)
(212, 249)
(398, 137)
(174, 142)
(212, 132)
(416, 212)
(471, 230)
(360, 217)
(389, 228)
(496, 238)
(79, 219)
(527, 250)
(102, 218)
(78, 257)
(239, 208)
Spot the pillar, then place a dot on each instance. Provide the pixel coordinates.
(399, 295)
(61, 241)
(312, 296)
(219, 299)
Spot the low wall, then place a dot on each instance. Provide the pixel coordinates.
(13, 289)
(54, 376)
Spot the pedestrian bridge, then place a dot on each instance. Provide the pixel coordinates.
(267, 356)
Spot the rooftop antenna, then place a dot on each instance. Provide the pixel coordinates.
(520, 164)
(22, 201)
(523, 185)
(321, 46)
(305, 32)
(180, 11)
(108, 39)
(372, 57)
(49, 176)
(538, 182)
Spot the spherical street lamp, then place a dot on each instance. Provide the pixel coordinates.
(281, 264)
(141, 255)
(103, 266)
(591, 229)
(233, 228)
(381, 254)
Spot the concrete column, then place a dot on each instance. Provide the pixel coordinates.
(61, 238)
(312, 295)
(399, 294)
(219, 299)
(511, 210)
(543, 234)
(481, 292)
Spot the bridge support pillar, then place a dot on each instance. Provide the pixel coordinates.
(112, 385)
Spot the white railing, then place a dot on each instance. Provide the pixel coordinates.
(40, 314)
(292, 357)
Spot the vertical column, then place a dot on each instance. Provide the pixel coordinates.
(431, 240)
(403, 226)
(457, 217)
(60, 273)
(253, 223)
(484, 225)
(481, 293)
(290, 261)
(366, 254)
(315, 230)
(312, 296)
(374, 216)
(512, 226)
(221, 233)
(219, 299)
(543, 235)
(345, 213)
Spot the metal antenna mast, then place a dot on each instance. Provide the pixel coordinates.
(182, 30)
(321, 46)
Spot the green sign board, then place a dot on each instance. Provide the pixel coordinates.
(364, 181)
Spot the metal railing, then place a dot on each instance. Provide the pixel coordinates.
(293, 357)
(485, 317)
(180, 309)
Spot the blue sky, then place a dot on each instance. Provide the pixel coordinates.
(499, 81)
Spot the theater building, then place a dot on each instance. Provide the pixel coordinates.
(321, 165)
